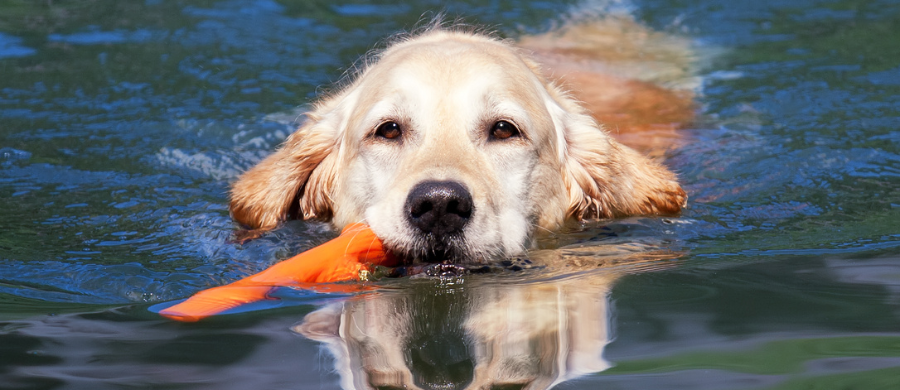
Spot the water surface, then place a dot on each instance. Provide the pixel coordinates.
(123, 123)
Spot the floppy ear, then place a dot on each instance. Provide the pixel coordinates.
(296, 180)
(604, 178)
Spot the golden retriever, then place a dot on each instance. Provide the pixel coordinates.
(454, 145)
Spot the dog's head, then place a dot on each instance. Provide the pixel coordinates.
(451, 145)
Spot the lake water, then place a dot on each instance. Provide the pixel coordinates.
(123, 123)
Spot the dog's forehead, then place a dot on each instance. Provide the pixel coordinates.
(452, 63)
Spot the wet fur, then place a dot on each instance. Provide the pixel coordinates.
(579, 170)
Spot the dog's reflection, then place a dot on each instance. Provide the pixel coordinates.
(471, 334)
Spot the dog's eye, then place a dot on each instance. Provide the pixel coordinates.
(503, 130)
(389, 130)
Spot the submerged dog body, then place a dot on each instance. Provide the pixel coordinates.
(452, 146)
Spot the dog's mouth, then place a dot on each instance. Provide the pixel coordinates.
(445, 256)
(429, 249)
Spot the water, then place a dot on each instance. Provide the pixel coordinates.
(122, 124)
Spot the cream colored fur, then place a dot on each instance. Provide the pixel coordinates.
(446, 88)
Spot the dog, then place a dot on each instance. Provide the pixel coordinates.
(457, 146)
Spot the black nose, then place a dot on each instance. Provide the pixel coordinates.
(440, 208)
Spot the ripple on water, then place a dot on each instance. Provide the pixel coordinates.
(782, 271)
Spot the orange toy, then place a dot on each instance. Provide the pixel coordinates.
(355, 250)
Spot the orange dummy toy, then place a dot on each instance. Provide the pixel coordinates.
(343, 258)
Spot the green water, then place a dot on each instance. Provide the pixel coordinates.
(122, 124)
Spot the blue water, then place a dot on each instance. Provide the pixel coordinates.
(122, 125)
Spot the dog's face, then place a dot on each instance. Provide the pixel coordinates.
(452, 147)
(449, 151)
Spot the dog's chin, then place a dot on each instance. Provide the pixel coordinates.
(428, 249)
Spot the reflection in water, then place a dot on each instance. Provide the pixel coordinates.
(460, 334)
